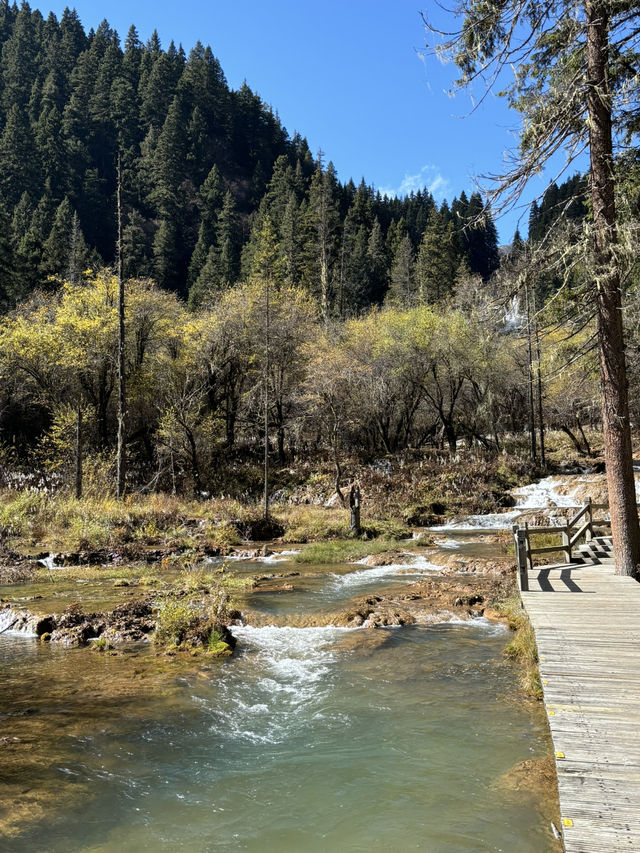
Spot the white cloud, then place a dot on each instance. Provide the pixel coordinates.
(429, 178)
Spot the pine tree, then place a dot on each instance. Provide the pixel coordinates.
(135, 247)
(132, 59)
(480, 238)
(437, 261)
(266, 261)
(56, 249)
(205, 243)
(207, 283)
(210, 195)
(9, 284)
(517, 244)
(78, 255)
(228, 241)
(21, 219)
(355, 280)
(19, 163)
(279, 190)
(73, 40)
(158, 87)
(52, 150)
(165, 255)
(322, 223)
(169, 160)
(402, 290)
(376, 265)
(30, 246)
(18, 64)
(291, 241)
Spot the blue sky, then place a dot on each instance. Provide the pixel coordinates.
(347, 74)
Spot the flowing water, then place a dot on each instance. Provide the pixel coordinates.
(307, 739)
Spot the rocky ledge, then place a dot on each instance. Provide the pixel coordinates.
(130, 622)
(430, 600)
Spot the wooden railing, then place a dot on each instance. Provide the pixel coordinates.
(571, 531)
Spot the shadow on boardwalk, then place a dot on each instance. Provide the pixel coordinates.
(587, 625)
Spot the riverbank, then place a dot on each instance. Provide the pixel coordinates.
(398, 494)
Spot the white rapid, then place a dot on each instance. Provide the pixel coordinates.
(547, 493)
(280, 683)
(275, 557)
(17, 623)
(417, 566)
(49, 562)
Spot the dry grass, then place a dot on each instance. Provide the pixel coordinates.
(63, 523)
(522, 648)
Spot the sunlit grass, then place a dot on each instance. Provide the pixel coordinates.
(62, 522)
(522, 647)
(342, 551)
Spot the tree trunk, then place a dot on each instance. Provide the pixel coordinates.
(613, 378)
(195, 467)
(267, 330)
(354, 506)
(532, 417)
(102, 416)
(574, 440)
(543, 457)
(336, 461)
(338, 468)
(452, 438)
(122, 400)
(79, 453)
(282, 457)
(230, 424)
(585, 439)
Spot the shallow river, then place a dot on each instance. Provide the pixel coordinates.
(307, 739)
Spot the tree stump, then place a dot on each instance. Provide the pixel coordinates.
(354, 506)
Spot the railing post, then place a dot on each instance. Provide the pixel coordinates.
(566, 540)
(520, 541)
(527, 547)
(589, 533)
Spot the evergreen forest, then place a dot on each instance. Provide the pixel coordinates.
(366, 325)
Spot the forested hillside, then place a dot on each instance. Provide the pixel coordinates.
(204, 169)
(259, 287)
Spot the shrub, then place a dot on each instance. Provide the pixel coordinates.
(173, 622)
(217, 645)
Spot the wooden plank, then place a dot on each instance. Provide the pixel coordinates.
(587, 625)
(533, 529)
(548, 549)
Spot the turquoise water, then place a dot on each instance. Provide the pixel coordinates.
(307, 739)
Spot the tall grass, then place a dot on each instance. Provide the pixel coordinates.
(61, 522)
(522, 648)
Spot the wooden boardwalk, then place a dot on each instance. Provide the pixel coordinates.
(587, 626)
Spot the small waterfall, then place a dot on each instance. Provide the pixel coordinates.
(545, 493)
(417, 567)
(17, 622)
(49, 562)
